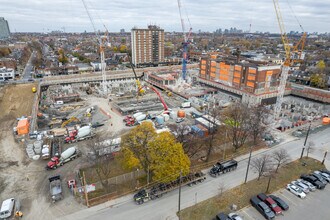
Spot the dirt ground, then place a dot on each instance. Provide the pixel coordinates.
(20, 177)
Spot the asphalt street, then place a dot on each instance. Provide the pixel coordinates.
(167, 206)
(29, 67)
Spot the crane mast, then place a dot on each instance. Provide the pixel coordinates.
(185, 44)
(102, 43)
(286, 65)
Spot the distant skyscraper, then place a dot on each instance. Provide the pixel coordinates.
(122, 31)
(4, 28)
(147, 45)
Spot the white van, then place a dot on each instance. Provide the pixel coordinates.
(7, 208)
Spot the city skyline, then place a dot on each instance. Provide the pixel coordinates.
(71, 16)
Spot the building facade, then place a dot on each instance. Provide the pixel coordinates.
(249, 77)
(147, 46)
(4, 29)
(6, 74)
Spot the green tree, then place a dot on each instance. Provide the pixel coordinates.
(318, 80)
(321, 66)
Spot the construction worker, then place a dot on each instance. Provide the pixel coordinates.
(19, 214)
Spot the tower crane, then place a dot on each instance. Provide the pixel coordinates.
(186, 42)
(289, 59)
(103, 41)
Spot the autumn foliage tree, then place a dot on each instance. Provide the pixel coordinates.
(159, 154)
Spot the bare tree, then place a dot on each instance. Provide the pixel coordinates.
(256, 122)
(213, 125)
(261, 164)
(271, 174)
(310, 147)
(191, 143)
(237, 120)
(280, 157)
(99, 156)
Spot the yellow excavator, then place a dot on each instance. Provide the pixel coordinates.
(68, 121)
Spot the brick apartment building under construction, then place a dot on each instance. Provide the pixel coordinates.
(147, 46)
(257, 80)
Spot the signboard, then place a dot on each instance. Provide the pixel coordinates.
(90, 188)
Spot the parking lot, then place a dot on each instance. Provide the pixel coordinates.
(314, 206)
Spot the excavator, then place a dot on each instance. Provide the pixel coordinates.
(68, 121)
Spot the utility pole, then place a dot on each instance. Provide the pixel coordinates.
(85, 190)
(179, 205)
(303, 149)
(248, 166)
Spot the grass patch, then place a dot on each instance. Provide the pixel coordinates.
(241, 195)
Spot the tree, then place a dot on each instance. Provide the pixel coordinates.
(237, 122)
(168, 158)
(158, 154)
(321, 66)
(191, 143)
(280, 157)
(135, 145)
(99, 160)
(261, 164)
(256, 124)
(213, 125)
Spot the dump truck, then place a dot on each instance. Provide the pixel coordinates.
(80, 134)
(160, 189)
(224, 167)
(67, 155)
(55, 188)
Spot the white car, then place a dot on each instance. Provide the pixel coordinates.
(234, 216)
(310, 186)
(296, 190)
(302, 186)
(324, 175)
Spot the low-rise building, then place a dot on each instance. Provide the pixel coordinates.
(6, 74)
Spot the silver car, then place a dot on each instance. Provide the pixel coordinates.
(310, 186)
(324, 175)
(302, 186)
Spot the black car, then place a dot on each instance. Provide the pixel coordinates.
(262, 196)
(284, 206)
(320, 178)
(313, 180)
(222, 216)
(262, 208)
(325, 171)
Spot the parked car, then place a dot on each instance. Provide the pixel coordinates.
(296, 190)
(222, 216)
(310, 186)
(273, 205)
(262, 208)
(313, 180)
(324, 175)
(325, 171)
(320, 178)
(302, 186)
(262, 196)
(234, 216)
(284, 206)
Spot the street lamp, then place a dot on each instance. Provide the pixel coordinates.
(325, 155)
(303, 149)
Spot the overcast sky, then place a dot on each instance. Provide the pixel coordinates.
(205, 15)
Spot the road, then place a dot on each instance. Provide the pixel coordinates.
(166, 207)
(28, 67)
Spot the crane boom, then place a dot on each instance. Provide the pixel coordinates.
(160, 97)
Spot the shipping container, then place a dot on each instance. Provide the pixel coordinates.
(23, 126)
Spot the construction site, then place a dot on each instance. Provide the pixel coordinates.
(52, 129)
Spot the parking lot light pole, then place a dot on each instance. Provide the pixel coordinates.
(303, 149)
(325, 155)
(248, 165)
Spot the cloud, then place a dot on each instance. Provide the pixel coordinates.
(207, 15)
